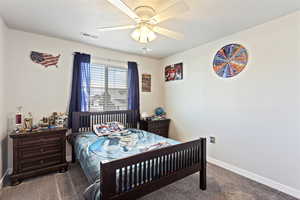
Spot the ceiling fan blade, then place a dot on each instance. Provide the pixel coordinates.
(168, 33)
(172, 11)
(125, 9)
(115, 28)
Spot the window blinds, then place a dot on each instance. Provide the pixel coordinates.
(108, 88)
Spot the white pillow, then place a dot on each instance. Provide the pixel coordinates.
(108, 128)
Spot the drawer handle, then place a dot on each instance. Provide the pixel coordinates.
(42, 162)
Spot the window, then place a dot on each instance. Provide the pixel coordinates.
(108, 88)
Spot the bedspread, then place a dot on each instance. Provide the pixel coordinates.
(90, 150)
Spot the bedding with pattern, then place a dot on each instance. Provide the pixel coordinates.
(90, 150)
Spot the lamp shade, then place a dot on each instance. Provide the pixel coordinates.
(143, 34)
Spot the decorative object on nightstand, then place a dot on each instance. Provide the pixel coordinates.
(144, 116)
(38, 152)
(56, 120)
(159, 127)
(28, 122)
(19, 117)
(160, 112)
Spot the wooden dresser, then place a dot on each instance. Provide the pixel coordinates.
(37, 153)
(159, 127)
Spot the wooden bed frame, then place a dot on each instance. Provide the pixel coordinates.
(145, 172)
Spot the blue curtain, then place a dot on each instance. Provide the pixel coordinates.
(133, 88)
(80, 85)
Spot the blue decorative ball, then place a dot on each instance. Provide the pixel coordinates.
(159, 111)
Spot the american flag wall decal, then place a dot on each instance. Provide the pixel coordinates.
(44, 59)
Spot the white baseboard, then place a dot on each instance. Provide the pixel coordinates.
(260, 179)
(3, 177)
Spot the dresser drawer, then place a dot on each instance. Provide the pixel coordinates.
(159, 127)
(161, 132)
(39, 150)
(40, 162)
(39, 141)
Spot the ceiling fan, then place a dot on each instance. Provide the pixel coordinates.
(146, 20)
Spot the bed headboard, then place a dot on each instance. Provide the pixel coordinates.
(84, 121)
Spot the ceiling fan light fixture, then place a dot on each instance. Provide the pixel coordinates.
(136, 34)
(146, 19)
(143, 34)
(143, 38)
(151, 36)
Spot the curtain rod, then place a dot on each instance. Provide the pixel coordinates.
(108, 59)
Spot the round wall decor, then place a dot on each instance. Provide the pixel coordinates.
(230, 60)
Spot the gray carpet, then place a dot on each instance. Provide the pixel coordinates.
(222, 185)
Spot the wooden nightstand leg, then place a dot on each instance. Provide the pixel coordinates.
(15, 182)
(64, 169)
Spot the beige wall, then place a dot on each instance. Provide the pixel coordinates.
(254, 116)
(3, 133)
(43, 91)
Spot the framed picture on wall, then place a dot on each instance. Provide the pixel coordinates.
(230, 60)
(146, 82)
(174, 72)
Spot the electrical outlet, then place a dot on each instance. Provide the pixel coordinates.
(212, 139)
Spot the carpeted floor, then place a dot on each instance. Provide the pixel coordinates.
(222, 185)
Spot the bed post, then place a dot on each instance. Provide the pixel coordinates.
(203, 164)
(107, 180)
(75, 129)
(73, 155)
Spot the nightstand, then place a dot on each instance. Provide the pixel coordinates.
(159, 127)
(38, 152)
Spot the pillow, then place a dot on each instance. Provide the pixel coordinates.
(108, 128)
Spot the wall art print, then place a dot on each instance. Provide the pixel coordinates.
(44, 59)
(174, 72)
(230, 60)
(146, 82)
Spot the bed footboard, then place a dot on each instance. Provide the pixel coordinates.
(138, 175)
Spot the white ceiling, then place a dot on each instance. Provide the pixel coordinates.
(206, 20)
